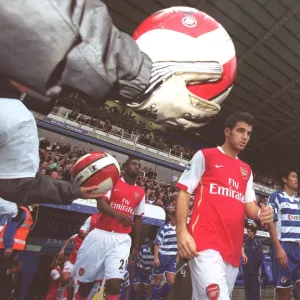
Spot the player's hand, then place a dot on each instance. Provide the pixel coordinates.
(245, 258)
(134, 254)
(61, 253)
(87, 192)
(8, 252)
(266, 214)
(19, 266)
(124, 220)
(156, 262)
(186, 245)
(282, 257)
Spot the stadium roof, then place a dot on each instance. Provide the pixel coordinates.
(266, 34)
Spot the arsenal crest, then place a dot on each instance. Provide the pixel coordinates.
(136, 195)
(244, 172)
(213, 291)
(81, 271)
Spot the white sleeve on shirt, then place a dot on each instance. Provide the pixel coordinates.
(250, 194)
(73, 237)
(192, 174)
(140, 209)
(86, 226)
(54, 274)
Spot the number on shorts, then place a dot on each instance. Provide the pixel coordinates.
(122, 261)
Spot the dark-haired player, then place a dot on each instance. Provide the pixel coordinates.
(285, 236)
(223, 187)
(105, 251)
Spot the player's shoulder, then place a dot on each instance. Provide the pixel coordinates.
(138, 191)
(209, 151)
(145, 247)
(277, 194)
(167, 227)
(244, 165)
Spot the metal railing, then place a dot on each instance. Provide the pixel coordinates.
(116, 136)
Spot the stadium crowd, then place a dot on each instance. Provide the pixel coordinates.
(57, 161)
(118, 123)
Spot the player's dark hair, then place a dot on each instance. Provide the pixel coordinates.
(129, 159)
(173, 213)
(252, 229)
(284, 173)
(239, 116)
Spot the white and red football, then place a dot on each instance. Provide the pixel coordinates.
(185, 34)
(97, 169)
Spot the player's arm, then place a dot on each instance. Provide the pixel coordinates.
(260, 252)
(263, 214)
(73, 55)
(280, 253)
(156, 261)
(187, 183)
(157, 242)
(43, 189)
(136, 229)
(67, 242)
(85, 228)
(244, 256)
(105, 208)
(12, 226)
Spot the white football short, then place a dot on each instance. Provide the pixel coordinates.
(68, 267)
(102, 254)
(212, 278)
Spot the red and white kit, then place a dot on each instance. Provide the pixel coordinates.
(69, 265)
(90, 223)
(105, 250)
(222, 186)
(53, 286)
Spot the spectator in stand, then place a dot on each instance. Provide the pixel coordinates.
(54, 174)
(44, 143)
(43, 171)
(151, 174)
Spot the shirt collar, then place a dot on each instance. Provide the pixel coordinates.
(220, 149)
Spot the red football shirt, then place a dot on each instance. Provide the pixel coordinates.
(126, 199)
(222, 185)
(77, 243)
(89, 223)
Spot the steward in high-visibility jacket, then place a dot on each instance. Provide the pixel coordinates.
(15, 231)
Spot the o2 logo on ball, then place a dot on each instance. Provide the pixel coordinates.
(189, 21)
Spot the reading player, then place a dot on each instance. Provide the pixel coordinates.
(105, 251)
(223, 186)
(285, 236)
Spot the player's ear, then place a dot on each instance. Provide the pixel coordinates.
(226, 131)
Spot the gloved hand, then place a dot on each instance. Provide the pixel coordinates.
(169, 102)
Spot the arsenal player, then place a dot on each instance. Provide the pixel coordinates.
(105, 251)
(223, 187)
(54, 281)
(66, 276)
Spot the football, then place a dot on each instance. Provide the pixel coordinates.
(185, 34)
(97, 169)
